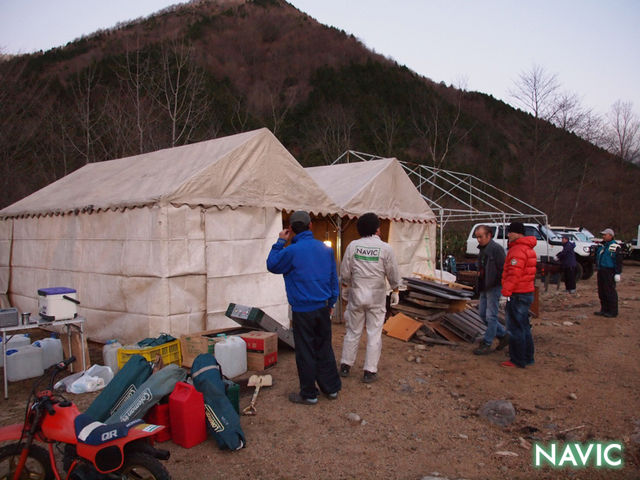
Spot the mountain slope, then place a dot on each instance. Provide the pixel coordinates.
(212, 68)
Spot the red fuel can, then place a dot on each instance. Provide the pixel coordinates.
(186, 414)
(159, 415)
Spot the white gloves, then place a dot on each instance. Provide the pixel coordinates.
(616, 277)
(395, 298)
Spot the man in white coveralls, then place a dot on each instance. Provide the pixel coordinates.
(367, 262)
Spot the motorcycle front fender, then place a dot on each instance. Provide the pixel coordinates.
(109, 456)
(11, 432)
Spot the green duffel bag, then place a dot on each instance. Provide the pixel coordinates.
(120, 388)
(148, 394)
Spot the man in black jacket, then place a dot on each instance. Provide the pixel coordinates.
(490, 263)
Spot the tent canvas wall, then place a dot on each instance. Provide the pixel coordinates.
(163, 241)
(382, 186)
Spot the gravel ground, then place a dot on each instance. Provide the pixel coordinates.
(421, 419)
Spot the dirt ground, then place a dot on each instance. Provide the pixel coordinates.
(421, 419)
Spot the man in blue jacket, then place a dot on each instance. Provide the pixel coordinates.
(311, 281)
(609, 265)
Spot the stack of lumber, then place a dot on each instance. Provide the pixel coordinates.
(443, 310)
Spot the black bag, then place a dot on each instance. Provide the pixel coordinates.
(223, 422)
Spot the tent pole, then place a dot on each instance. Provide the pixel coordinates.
(441, 228)
(338, 312)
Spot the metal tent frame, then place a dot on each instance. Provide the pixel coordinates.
(459, 197)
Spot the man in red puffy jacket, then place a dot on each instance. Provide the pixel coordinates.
(517, 285)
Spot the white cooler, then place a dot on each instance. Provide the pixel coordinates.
(57, 303)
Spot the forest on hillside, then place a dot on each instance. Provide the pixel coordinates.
(209, 69)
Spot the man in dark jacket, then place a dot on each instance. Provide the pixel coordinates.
(518, 279)
(567, 259)
(609, 265)
(311, 281)
(490, 263)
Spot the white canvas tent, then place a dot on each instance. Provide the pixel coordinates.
(381, 186)
(163, 241)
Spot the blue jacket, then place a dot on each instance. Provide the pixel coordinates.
(609, 255)
(309, 270)
(568, 256)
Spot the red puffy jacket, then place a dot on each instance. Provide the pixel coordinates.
(519, 267)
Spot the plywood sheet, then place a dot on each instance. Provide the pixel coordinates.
(401, 326)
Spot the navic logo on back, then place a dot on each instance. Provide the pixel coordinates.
(367, 254)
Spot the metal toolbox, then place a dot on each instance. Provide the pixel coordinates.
(8, 317)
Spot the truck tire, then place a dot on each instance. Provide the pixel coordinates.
(579, 273)
(587, 269)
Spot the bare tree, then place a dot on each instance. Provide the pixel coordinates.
(536, 92)
(181, 91)
(89, 111)
(438, 129)
(332, 131)
(624, 132)
(137, 88)
(386, 131)
(273, 101)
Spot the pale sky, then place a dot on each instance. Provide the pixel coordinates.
(593, 46)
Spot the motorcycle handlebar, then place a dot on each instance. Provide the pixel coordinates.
(65, 363)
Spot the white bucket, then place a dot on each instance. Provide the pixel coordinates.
(51, 351)
(110, 354)
(24, 362)
(231, 354)
(16, 341)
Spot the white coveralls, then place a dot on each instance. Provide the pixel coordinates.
(365, 265)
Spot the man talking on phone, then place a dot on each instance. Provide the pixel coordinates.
(311, 281)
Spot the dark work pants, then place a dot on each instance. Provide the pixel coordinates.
(315, 359)
(607, 291)
(520, 340)
(569, 278)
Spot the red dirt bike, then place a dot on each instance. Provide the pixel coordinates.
(90, 450)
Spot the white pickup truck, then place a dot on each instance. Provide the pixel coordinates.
(548, 246)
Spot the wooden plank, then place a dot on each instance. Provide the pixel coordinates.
(439, 286)
(429, 298)
(437, 341)
(445, 332)
(436, 279)
(451, 324)
(436, 292)
(472, 319)
(419, 312)
(401, 326)
(457, 306)
(426, 303)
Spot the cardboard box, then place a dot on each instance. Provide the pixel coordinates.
(258, 361)
(259, 341)
(196, 343)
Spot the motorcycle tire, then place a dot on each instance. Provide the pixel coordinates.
(143, 465)
(37, 466)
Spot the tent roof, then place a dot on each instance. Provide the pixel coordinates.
(379, 186)
(250, 169)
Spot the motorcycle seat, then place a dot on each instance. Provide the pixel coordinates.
(91, 432)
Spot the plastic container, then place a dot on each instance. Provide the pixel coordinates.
(51, 351)
(159, 415)
(24, 362)
(231, 354)
(186, 416)
(14, 342)
(169, 351)
(110, 354)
